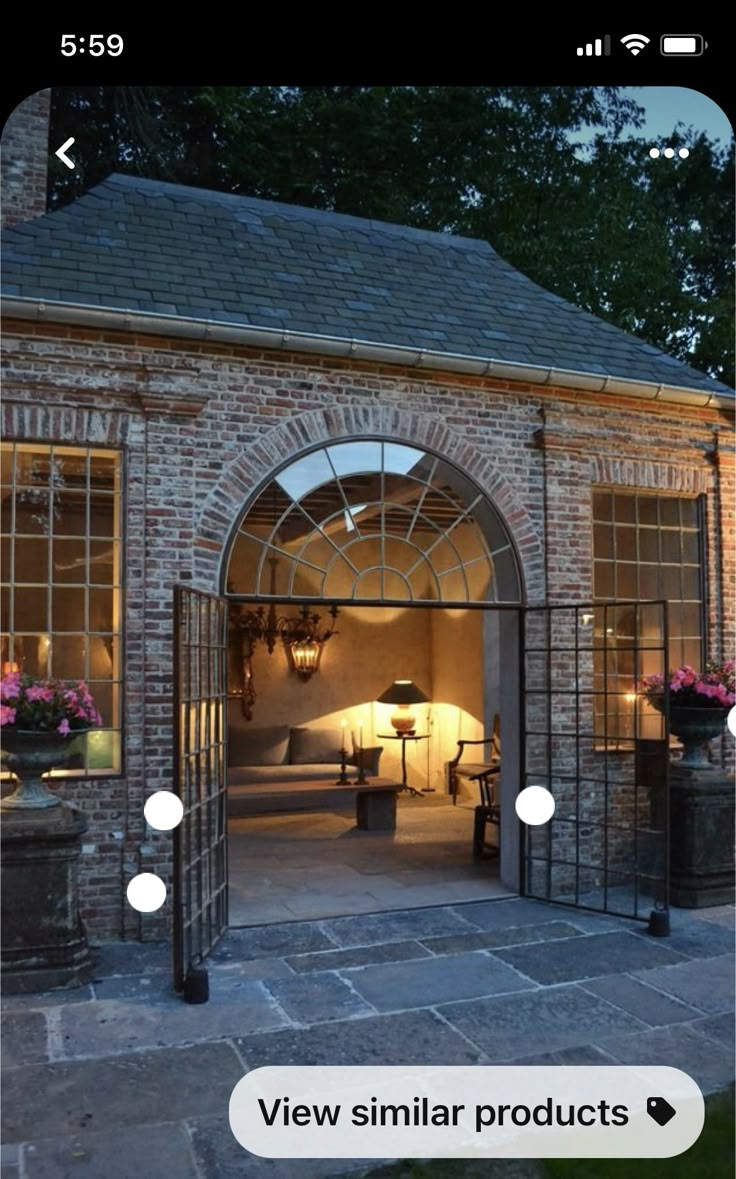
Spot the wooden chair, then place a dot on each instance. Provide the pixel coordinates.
(489, 811)
(472, 771)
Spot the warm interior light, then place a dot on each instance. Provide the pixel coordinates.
(404, 694)
(403, 719)
(10, 668)
(305, 655)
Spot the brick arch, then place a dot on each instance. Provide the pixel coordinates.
(247, 474)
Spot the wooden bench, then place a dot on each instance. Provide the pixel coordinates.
(375, 801)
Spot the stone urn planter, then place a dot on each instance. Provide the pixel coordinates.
(702, 813)
(696, 728)
(29, 755)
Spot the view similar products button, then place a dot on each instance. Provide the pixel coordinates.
(484, 1112)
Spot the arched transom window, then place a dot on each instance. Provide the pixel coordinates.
(373, 521)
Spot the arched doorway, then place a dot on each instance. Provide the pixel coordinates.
(374, 524)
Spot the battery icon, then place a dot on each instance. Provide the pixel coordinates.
(682, 45)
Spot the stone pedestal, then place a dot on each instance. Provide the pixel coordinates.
(702, 837)
(43, 940)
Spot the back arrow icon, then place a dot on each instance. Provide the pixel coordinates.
(61, 153)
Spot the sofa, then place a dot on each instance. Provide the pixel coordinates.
(279, 755)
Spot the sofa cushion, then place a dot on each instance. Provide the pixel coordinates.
(283, 775)
(258, 747)
(311, 746)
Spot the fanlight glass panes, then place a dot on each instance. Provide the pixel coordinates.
(377, 521)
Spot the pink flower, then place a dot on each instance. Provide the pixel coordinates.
(64, 728)
(10, 686)
(7, 715)
(39, 692)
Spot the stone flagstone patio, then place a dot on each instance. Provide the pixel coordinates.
(121, 1078)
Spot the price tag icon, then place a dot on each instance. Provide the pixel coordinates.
(661, 1110)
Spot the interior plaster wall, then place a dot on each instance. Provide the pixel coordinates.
(457, 685)
(440, 650)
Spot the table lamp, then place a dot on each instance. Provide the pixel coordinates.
(403, 693)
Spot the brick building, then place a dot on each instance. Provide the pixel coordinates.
(173, 355)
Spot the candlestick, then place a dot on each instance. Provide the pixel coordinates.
(361, 778)
(343, 780)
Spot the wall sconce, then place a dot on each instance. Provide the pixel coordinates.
(304, 640)
(586, 618)
(302, 636)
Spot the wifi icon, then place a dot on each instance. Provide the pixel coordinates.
(635, 42)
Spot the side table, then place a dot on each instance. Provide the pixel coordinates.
(403, 738)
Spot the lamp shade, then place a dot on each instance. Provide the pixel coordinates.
(403, 692)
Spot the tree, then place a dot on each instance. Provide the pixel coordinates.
(644, 244)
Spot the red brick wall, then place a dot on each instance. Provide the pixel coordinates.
(202, 427)
(24, 157)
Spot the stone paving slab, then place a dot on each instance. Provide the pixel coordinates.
(587, 957)
(227, 985)
(333, 905)
(721, 915)
(361, 956)
(131, 958)
(395, 927)
(700, 939)
(23, 1038)
(43, 999)
(487, 939)
(121, 1025)
(89, 1095)
(705, 983)
(220, 1156)
(585, 1054)
(721, 1028)
(634, 996)
(257, 969)
(506, 914)
(148, 1151)
(414, 1037)
(510, 1026)
(588, 922)
(709, 1064)
(402, 985)
(272, 941)
(317, 999)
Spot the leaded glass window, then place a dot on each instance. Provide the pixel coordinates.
(60, 563)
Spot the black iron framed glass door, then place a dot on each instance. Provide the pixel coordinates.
(592, 738)
(200, 892)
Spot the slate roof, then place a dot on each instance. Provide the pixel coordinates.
(145, 245)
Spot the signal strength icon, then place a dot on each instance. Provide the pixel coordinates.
(635, 42)
(597, 48)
